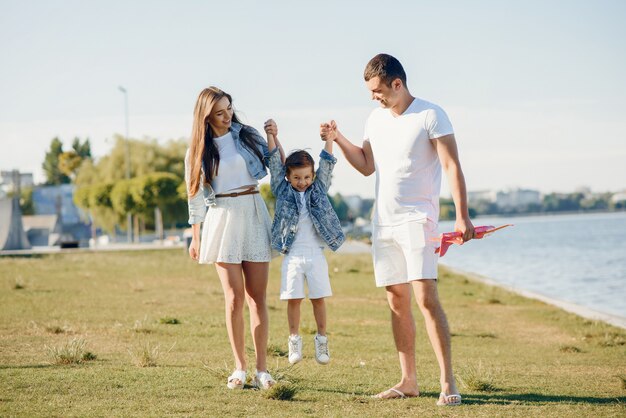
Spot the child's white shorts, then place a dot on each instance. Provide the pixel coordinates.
(305, 264)
(405, 252)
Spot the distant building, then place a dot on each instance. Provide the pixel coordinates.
(481, 196)
(517, 198)
(7, 181)
(12, 235)
(619, 197)
(59, 201)
(354, 203)
(43, 230)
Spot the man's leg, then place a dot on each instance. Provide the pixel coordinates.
(403, 326)
(438, 331)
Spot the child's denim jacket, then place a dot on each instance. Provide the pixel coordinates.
(205, 195)
(287, 212)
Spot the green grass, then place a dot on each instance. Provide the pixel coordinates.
(514, 357)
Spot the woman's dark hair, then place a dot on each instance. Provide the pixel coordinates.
(211, 155)
(297, 159)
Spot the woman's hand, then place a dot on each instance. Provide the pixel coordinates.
(328, 131)
(194, 249)
(270, 127)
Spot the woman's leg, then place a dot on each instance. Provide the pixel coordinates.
(293, 315)
(319, 311)
(233, 286)
(256, 277)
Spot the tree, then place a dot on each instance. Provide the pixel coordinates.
(51, 169)
(96, 199)
(268, 197)
(341, 207)
(147, 157)
(82, 150)
(122, 200)
(154, 193)
(27, 206)
(69, 162)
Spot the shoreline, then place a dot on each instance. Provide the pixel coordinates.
(570, 307)
(352, 247)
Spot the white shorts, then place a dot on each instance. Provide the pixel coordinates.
(403, 253)
(300, 265)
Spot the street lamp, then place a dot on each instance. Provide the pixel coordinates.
(129, 219)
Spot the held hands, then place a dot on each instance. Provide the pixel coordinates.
(328, 131)
(271, 128)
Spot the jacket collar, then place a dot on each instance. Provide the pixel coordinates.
(235, 128)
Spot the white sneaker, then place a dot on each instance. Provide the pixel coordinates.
(322, 355)
(295, 349)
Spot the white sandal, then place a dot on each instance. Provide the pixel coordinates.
(264, 380)
(238, 375)
(449, 400)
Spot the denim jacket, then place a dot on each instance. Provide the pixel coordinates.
(322, 214)
(205, 195)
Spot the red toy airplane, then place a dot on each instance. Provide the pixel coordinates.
(449, 238)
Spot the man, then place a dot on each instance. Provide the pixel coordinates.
(407, 141)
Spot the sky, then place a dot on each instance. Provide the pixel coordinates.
(535, 90)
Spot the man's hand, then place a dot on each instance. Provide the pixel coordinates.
(465, 226)
(328, 131)
(270, 127)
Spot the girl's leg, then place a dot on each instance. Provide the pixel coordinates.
(293, 315)
(319, 311)
(256, 277)
(232, 284)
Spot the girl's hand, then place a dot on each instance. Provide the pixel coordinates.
(328, 131)
(194, 249)
(270, 127)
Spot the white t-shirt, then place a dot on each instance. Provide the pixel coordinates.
(306, 236)
(408, 171)
(232, 173)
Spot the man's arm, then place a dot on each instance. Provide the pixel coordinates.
(449, 157)
(360, 158)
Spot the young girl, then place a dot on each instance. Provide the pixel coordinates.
(303, 223)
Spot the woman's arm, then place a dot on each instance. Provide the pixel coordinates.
(271, 129)
(194, 247)
(275, 159)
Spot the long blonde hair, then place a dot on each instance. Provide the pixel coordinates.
(202, 148)
(207, 98)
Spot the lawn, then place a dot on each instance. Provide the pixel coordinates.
(121, 312)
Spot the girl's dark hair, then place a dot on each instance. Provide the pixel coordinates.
(297, 159)
(211, 156)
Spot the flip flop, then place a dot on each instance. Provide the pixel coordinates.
(393, 393)
(449, 400)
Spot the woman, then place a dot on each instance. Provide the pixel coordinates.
(223, 164)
